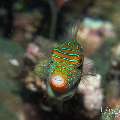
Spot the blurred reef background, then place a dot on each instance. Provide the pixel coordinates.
(29, 30)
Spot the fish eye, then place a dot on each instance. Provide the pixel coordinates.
(79, 67)
(80, 63)
(51, 62)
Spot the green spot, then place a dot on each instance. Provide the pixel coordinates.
(66, 49)
(73, 54)
(55, 55)
(65, 58)
(73, 60)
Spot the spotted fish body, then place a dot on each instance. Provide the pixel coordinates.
(65, 69)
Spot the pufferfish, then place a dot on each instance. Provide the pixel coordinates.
(65, 69)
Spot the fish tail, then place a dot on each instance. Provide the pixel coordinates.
(76, 33)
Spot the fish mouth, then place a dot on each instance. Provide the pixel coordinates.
(58, 84)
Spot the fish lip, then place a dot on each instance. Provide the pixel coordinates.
(61, 96)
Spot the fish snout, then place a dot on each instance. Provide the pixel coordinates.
(58, 84)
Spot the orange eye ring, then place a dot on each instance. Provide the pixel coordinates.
(58, 85)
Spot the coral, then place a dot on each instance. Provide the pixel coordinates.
(90, 87)
(111, 114)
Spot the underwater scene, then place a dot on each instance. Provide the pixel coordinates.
(60, 59)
